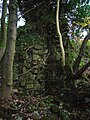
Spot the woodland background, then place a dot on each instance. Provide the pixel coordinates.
(34, 83)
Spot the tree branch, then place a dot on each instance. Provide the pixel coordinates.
(80, 72)
(35, 6)
(81, 53)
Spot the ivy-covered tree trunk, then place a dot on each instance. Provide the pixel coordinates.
(7, 80)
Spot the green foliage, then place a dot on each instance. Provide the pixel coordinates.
(2, 45)
(81, 15)
(73, 49)
(88, 43)
(83, 11)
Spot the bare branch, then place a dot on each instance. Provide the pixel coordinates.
(80, 72)
(35, 6)
(81, 53)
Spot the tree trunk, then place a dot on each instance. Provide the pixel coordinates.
(59, 34)
(3, 30)
(7, 81)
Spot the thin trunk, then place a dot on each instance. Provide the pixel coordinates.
(59, 34)
(3, 30)
(7, 82)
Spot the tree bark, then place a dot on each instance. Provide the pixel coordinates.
(7, 81)
(81, 53)
(59, 34)
(78, 74)
(3, 30)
